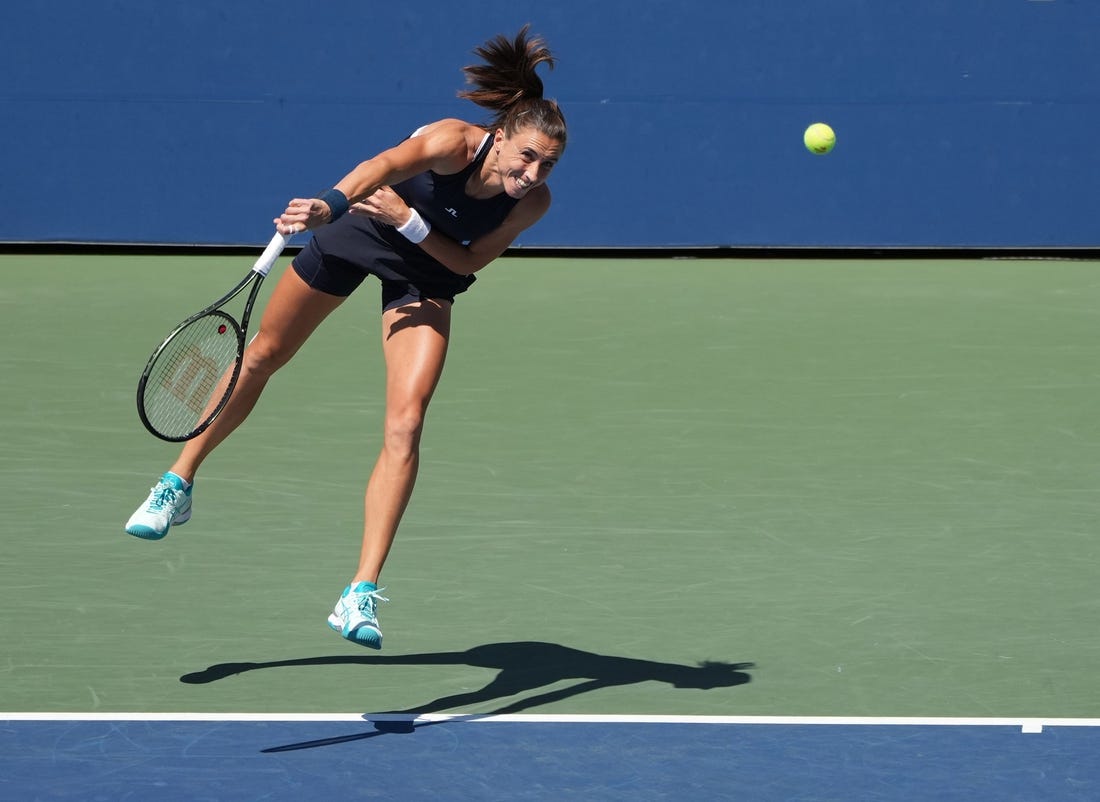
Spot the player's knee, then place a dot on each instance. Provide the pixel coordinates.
(403, 430)
(265, 355)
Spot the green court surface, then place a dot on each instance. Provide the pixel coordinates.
(874, 481)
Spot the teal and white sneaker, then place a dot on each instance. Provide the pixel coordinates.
(355, 616)
(168, 503)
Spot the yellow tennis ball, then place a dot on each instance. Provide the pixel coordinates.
(819, 139)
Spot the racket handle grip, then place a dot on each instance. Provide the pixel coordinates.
(270, 254)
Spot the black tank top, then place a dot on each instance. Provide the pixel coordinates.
(442, 201)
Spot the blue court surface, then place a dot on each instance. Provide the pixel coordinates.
(517, 757)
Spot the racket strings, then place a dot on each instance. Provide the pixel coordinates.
(192, 374)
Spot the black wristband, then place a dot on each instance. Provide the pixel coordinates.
(337, 202)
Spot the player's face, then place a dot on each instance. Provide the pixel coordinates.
(525, 159)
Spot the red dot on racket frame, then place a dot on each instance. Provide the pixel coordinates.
(221, 329)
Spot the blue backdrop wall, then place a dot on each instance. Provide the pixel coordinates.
(960, 122)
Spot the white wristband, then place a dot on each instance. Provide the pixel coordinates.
(415, 229)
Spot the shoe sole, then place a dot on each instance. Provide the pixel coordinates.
(145, 533)
(148, 533)
(375, 641)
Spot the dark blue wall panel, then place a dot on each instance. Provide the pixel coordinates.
(960, 122)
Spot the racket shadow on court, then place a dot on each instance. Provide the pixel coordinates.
(522, 668)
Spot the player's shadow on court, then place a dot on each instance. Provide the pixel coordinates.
(521, 667)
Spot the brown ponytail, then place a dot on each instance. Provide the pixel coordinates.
(506, 83)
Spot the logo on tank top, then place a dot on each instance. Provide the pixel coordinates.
(453, 212)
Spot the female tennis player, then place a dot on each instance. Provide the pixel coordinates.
(423, 217)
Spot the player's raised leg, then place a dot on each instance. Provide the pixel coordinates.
(291, 316)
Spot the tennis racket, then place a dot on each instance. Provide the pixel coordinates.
(190, 376)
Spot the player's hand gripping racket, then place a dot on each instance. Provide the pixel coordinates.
(191, 375)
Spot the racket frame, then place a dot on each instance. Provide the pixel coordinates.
(255, 279)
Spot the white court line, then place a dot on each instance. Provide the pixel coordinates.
(1028, 725)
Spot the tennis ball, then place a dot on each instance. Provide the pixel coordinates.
(819, 139)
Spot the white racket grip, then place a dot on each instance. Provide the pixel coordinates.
(270, 254)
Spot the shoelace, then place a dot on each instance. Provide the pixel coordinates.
(163, 495)
(369, 600)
